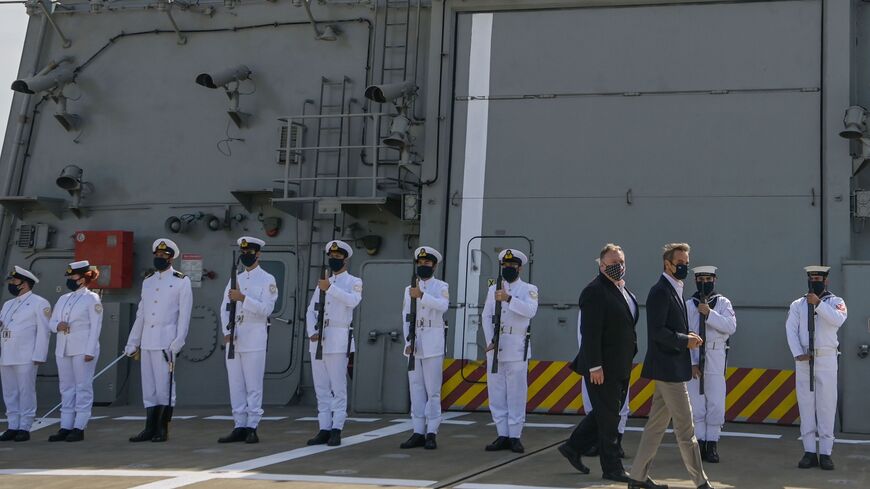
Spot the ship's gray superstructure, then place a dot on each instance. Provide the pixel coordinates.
(551, 127)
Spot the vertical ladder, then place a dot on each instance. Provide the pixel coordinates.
(394, 51)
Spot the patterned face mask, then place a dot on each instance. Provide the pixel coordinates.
(615, 272)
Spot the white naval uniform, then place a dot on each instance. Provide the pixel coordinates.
(24, 338)
(587, 403)
(508, 389)
(160, 329)
(83, 311)
(245, 371)
(708, 410)
(425, 379)
(330, 373)
(817, 408)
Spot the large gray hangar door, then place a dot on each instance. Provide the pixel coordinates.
(641, 126)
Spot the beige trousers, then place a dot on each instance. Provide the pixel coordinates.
(670, 400)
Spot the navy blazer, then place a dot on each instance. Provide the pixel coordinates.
(667, 355)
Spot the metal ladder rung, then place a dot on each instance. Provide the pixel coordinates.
(392, 24)
(393, 69)
(396, 46)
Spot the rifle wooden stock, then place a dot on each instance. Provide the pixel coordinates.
(496, 323)
(412, 324)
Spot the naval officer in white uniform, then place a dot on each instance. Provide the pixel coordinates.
(708, 409)
(343, 292)
(508, 388)
(433, 299)
(159, 332)
(255, 296)
(77, 319)
(817, 407)
(24, 335)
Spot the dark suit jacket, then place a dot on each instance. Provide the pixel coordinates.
(609, 339)
(667, 354)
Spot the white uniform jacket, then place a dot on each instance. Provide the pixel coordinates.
(515, 318)
(163, 316)
(721, 323)
(24, 331)
(252, 314)
(342, 297)
(430, 317)
(83, 311)
(830, 315)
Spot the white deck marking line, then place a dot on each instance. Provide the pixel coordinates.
(543, 425)
(355, 420)
(191, 475)
(735, 434)
(846, 442)
(446, 421)
(472, 485)
(130, 418)
(232, 470)
(230, 418)
(38, 425)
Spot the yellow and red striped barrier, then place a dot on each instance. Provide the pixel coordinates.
(755, 395)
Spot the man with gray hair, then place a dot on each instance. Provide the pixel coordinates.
(668, 361)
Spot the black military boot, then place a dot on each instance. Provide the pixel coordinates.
(825, 462)
(320, 438)
(8, 435)
(252, 436)
(430, 444)
(237, 435)
(619, 451)
(517, 445)
(23, 435)
(712, 452)
(75, 435)
(573, 457)
(702, 446)
(334, 438)
(60, 435)
(809, 460)
(150, 421)
(416, 440)
(500, 443)
(163, 419)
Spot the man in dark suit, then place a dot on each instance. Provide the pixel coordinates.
(669, 363)
(608, 314)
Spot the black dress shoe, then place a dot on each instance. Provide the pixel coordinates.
(75, 435)
(648, 484)
(500, 443)
(8, 435)
(150, 422)
(825, 461)
(237, 435)
(334, 438)
(573, 458)
(416, 440)
(60, 435)
(619, 451)
(591, 452)
(706, 485)
(24, 435)
(616, 476)
(809, 460)
(251, 436)
(430, 444)
(320, 438)
(712, 452)
(517, 445)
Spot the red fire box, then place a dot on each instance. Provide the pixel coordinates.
(111, 252)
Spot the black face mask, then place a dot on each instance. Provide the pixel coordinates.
(705, 288)
(248, 259)
(817, 288)
(161, 263)
(510, 273)
(336, 264)
(425, 271)
(14, 289)
(681, 272)
(615, 272)
(72, 284)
